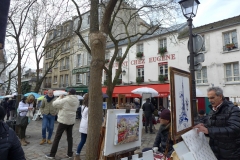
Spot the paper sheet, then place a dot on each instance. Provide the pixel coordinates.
(198, 145)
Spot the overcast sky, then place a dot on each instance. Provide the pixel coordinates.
(215, 10)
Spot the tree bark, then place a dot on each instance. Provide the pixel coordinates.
(98, 45)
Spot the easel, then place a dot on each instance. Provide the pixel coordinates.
(121, 154)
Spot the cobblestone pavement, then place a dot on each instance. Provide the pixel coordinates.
(34, 151)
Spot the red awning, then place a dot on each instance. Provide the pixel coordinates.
(163, 90)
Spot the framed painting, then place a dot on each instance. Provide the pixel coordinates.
(181, 105)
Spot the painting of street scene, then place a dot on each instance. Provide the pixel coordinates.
(127, 128)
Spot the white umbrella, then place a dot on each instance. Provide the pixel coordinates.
(59, 93)
(8, 96)
(142, 90)
(199, 93)
(79, 97)
(15, 94)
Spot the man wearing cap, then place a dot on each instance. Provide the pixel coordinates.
(163, 141)
(10, 146)
(66, 117)
(49, 112)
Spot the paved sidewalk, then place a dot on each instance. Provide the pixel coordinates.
(34, 151)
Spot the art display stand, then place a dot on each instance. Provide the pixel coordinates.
(106, 149)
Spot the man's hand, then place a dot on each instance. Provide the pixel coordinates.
(201, 128)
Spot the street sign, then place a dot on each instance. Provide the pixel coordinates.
(197, 43)
(198, 58)
(197, 67)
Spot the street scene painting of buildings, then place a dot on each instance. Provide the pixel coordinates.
(126, 128)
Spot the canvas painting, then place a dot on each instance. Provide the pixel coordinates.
(126, 128)
(182, 98)
(181, 108)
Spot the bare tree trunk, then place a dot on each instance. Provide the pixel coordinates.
(19, 89)
(98, 44)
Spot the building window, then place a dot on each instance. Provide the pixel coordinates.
(204, 46)
(140, 72)
(61, 80)
(46, 66)
(79, 78)
(232, 72)
(163, 43)
(67, 63)
(140, 48)
(88, 19)
(201, 76)
(79, 62)
(55, 79)
(89, 59)
(66, 80)
(163, 69)
(230, 40)
(120, 52)
(62, 64)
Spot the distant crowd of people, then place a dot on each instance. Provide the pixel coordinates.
(221, 125)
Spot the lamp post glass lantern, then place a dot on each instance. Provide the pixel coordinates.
(189, 9)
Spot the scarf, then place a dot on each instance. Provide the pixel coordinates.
(49, 98)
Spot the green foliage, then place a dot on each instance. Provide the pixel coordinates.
(107, 60)
(118, 58)
(162, 51)
(139, 54)
(139, 80)
(25, 87)
(105, 82)
(162, 78)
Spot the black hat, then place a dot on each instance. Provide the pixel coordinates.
(72, 91)
(2, 113)
(165, 114)
(201, 112)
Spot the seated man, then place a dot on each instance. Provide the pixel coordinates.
(163, 140)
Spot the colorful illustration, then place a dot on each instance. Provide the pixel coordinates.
(127, 128)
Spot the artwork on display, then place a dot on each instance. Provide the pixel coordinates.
(126, 128)
(181, 111)
(198, 145)
(123, 130)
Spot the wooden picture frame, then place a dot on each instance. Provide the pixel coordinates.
(181, 104)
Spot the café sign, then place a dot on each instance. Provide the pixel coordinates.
(80, 70)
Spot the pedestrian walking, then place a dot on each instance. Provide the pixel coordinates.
(5, 105)
(66, 117)
(12, 107)
(24, 106)
(83, 127)
(49, 113)
(148, 109)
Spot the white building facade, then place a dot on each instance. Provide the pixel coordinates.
(220, 68)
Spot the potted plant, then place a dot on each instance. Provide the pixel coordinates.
(230, 46)
(118, 58)
(161, 51)
(107, 60)
(105, 82)
(162, 78)
(119, 81)
(139, 54)
(139, 80)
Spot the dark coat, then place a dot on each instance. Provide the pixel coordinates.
(224, 131)
(10, 146)
(148, 109)
(163, 138)
(201, 119)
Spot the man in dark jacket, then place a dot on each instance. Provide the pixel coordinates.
(148, 109)
(223, 126)
(163, 139)
(12, 107)
(10, 147)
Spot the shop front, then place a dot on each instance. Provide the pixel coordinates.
(80, 90)
(162, 99)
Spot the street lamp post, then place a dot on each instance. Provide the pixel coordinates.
(189, 9)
